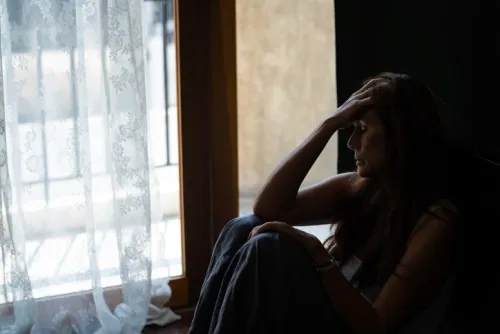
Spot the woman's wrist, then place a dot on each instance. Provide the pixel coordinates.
(332, 123)
(326, 266)
(321, 256)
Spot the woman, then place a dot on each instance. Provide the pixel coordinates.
(395, 231)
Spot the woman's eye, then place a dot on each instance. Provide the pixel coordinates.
(358, 128)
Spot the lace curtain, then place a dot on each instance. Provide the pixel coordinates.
(75, 169)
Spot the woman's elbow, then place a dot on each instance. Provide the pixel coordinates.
(267, 212)
(263, 213)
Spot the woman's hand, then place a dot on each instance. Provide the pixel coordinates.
(312, 245)
(353, 108)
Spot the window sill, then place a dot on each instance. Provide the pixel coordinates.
(112, 295)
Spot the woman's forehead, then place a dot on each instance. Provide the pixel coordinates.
(371, 115)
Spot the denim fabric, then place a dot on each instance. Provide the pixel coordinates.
(264, 285)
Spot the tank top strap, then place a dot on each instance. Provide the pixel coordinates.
(439, 204)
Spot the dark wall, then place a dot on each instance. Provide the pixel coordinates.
(451, 45)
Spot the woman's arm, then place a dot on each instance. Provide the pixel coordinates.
(280, 198)
(422, 271)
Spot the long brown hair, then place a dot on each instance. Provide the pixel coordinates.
(413, 177)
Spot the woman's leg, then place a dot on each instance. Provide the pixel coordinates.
(271, 287)
(265, 285)
(230, 240)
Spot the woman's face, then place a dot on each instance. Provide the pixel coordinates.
(369, 144)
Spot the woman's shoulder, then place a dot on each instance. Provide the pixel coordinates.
(441, 216)
(445, 209)
(357, 184)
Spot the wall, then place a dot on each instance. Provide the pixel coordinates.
(447, 44)
(451, 46)
(286, 84)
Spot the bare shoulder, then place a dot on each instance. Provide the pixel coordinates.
(358, 183)
(351, 182)
(324, 200)
(435, 234)
(441, 218)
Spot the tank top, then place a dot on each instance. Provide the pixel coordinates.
(428, 320)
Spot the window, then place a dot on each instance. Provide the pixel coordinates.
(54, 258)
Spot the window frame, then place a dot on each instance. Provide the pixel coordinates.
(206, 69)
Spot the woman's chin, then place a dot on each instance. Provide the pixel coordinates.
(362, 171)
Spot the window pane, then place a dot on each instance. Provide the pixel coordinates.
(45, 60)
(286, 87)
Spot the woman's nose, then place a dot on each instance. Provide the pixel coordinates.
(353, 142)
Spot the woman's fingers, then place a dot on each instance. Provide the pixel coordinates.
(369, 85)
(364, 94)
(354, 110)
(366, 90)
(363, 103)
(272, 226)
(355, 106)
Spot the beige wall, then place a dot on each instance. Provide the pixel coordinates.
(286, 84)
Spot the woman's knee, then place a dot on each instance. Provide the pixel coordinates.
(271, 241)
(241, 226)
(266, 244)
(235, 232)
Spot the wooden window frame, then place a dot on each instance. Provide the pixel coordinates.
(206, 56)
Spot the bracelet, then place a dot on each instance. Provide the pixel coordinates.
(330, 264)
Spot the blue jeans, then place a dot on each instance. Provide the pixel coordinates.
(264, 285)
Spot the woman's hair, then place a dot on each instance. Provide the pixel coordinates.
(412, 178)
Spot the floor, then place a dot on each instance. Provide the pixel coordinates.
(179, 327)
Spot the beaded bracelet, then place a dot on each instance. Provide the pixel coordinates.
(330, 264)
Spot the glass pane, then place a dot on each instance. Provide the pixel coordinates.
(162, 89)
(55, 231)
(286, 87)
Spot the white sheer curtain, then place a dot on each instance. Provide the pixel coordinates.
(75, 170)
